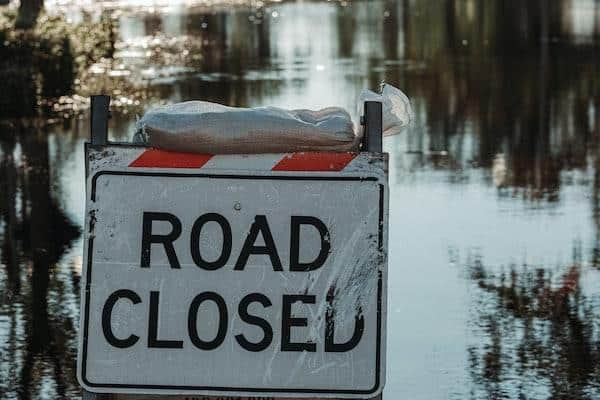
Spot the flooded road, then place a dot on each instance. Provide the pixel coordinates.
(494, 263)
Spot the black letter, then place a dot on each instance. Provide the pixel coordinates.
(193, 320)
(295, 264)
(287, 322)
(259, 225)
(167, 240)
(153, 328)
(195, 241)
(359, 328)
(254, 320)
(107, 312)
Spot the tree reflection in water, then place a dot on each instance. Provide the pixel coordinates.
(541, 331)
(37, 298)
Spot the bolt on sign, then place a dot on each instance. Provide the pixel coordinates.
(234, 275)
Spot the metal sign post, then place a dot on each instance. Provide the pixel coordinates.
(233, 275)
(99, 115)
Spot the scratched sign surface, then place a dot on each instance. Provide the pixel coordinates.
(234, 278)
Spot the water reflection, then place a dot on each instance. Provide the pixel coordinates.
(507, 120)
(35, 234)
(537, 326)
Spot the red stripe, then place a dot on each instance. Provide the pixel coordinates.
(314, 161)
(167, 159)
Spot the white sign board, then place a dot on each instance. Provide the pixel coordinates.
(234, 278)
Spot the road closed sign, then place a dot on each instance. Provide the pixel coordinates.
(261, 275)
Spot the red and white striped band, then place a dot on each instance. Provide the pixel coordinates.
(304, 161)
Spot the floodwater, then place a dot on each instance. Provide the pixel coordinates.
(494, 255)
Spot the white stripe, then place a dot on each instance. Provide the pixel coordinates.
(252, 162)
(113, 157)
(358, 163)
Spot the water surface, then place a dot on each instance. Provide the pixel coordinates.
(494, 256)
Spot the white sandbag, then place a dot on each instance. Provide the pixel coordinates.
(396, 110)
(203, 127)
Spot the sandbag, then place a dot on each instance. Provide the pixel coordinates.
(203, 127)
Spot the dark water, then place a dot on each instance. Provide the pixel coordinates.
(495, 189)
